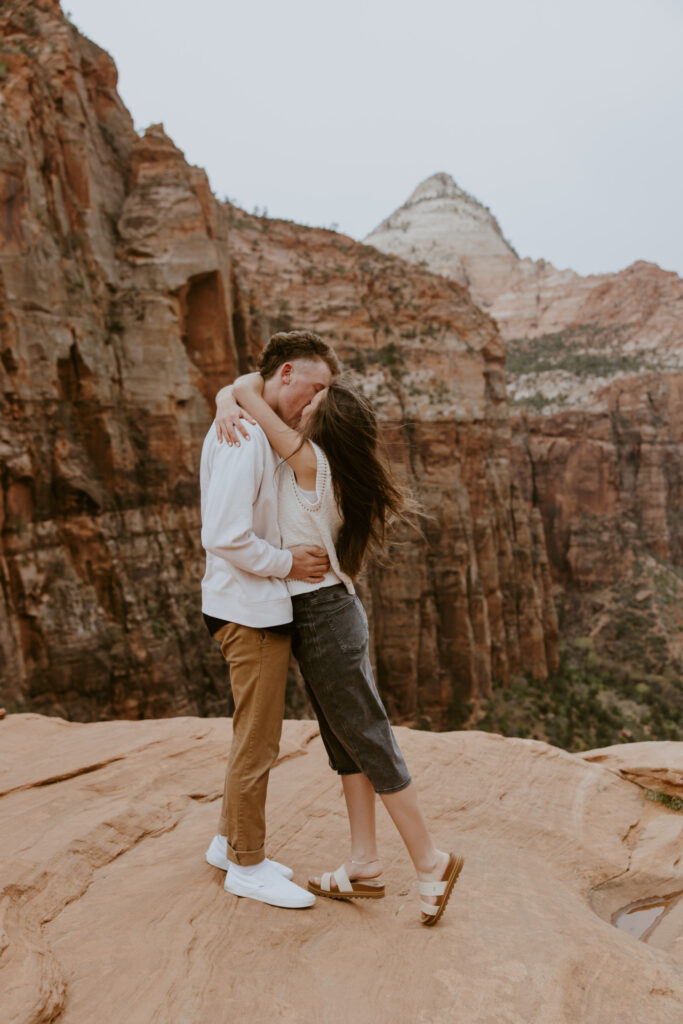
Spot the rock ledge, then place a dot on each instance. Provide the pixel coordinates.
(108, 903)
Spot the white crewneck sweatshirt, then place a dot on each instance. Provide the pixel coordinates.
(246, 567)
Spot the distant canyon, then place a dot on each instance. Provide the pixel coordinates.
(536, 414)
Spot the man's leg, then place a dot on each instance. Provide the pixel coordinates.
(258, 663)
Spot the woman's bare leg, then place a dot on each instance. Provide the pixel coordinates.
(360, 805)
(406, 814)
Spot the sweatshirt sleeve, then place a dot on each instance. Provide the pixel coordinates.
(227, 528)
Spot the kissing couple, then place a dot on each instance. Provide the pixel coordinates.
(290, 504)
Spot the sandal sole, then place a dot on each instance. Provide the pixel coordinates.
(355, 895)
(458, 863)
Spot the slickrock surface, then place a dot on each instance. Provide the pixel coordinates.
(128, 294)
(594, 371)
(110, 911)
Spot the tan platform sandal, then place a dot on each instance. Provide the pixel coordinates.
(362, 889)
(442, 890)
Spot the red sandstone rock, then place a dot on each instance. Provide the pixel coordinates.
(114, 310)
(595, 374)
(657, 767)
(107, 900)
(126, 299)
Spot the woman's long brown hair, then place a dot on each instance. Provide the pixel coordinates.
(344, 424)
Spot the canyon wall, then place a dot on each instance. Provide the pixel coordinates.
(594, 372)
(115, 310)
(128, 294)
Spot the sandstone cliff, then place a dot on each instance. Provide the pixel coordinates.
(109, 909)
(114, 310)
(128, 294)
(595, 373)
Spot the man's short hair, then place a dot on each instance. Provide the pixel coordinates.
(285, 346)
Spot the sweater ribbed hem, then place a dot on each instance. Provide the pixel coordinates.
(296, 587)
(259, 616)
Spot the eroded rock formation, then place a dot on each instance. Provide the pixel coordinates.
(115, 310)
(128, 294)
(445, 229)
(595, 373)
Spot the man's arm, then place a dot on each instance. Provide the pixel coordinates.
(228, 527)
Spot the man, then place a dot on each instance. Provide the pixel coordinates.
(248, 611)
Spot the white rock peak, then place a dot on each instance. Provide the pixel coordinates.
(445, 228)
(438, 186)
(441, 187)
(620, 324)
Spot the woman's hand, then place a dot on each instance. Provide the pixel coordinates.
(229, 416)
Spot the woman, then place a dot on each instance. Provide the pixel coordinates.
(334, 490)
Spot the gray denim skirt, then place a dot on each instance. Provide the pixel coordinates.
(330, 642)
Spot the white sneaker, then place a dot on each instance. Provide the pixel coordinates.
(216, 855)
(262, 882)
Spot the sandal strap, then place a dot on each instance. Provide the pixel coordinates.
(432, 888)
(428, 908)
(342, 879)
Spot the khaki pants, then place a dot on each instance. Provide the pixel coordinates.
(258, 663)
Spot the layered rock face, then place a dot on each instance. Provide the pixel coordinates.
(595, 374)
(107, 900)
(128, 295)
(115, 311)
(632, 314)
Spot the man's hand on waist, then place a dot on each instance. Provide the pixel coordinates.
(309, 563)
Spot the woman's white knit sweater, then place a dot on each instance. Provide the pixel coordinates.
(302, 521)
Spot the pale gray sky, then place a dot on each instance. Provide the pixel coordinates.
(565, 119)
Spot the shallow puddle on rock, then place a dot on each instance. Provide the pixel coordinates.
(640, 919)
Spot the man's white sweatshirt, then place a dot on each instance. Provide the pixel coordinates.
(246, 568)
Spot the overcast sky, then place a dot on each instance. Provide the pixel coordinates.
(564, 118)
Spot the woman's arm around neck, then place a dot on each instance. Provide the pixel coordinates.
(287, 442)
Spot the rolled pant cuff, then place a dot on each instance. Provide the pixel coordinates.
(245, 858)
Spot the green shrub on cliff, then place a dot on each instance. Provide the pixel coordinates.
(587, 703)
